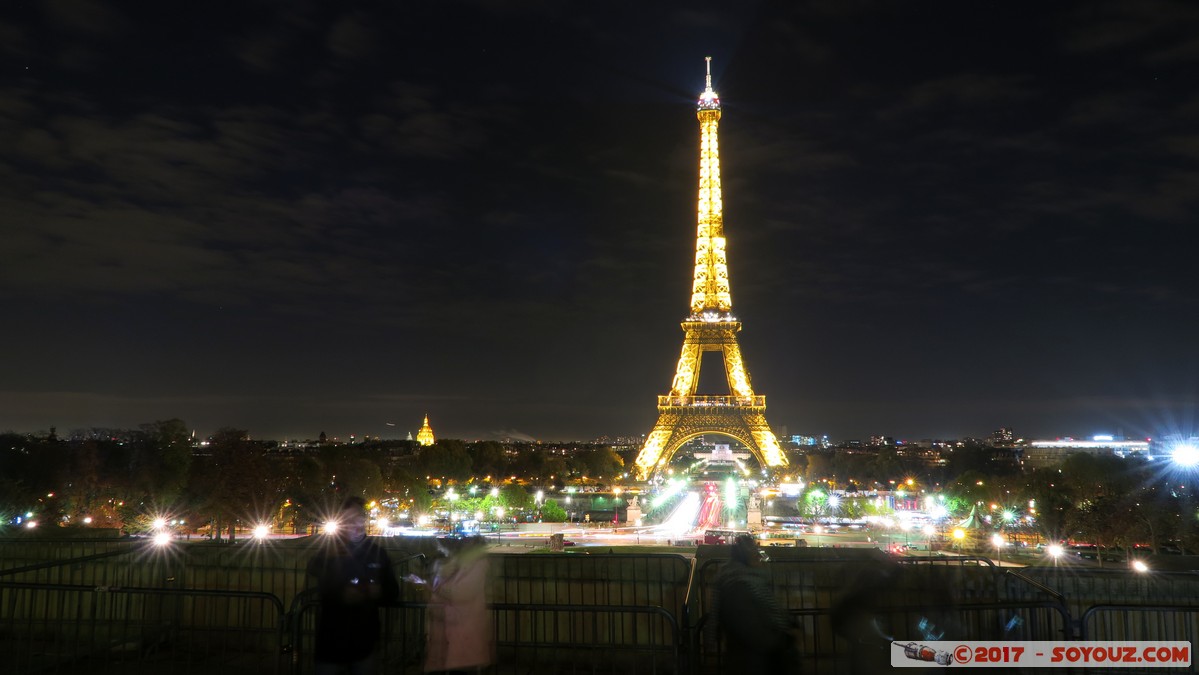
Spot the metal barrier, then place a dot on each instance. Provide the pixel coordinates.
(949, 560)
(587, 638)
(529, 638)
(1087, 588)
(659, 580)
(56, 628)
(1140, 622)
(209, 608)
(858, 640)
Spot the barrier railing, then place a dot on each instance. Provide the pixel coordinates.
(529, 638)
(208, 610)
(56, 628)
(1140, 622)
(648, 580)
(858, 639)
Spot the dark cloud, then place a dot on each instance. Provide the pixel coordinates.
(315, 218)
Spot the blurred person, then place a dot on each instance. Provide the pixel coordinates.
(354, 579)
(759, 635)
(460, 633)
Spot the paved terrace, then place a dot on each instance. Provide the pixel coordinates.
(120, 606)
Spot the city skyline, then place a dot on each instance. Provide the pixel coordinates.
(941, 219)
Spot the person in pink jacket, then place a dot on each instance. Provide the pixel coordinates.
(460, 633)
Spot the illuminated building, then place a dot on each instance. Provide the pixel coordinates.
(710, 326)
(1045, 453)
(425, 435)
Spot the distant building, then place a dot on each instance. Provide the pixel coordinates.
(720, 454)
(804, 440)
(425, 435)
(1002, 437)
(1046, 453)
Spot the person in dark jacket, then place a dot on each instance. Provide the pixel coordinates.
(759, 635)
(353, 579)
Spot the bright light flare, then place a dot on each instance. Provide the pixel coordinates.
(330, 527)
(262, 532)
(1055, 550)
(1140, 566)
(1185, 454)
(997, 540)
(160, 523)
(162, 539)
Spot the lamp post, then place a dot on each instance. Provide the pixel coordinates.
(958, 535)
(997, 539)
(1055, 552)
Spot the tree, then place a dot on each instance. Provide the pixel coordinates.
(551, 512)
(161, 461)
(602, 464)
(360, 477)
(234, 482)
(445, 460)
(489, 459)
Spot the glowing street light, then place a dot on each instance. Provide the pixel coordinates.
(997, 540)
(1140, 566)
(261, 532)
(1185, 455)
(1055, 552)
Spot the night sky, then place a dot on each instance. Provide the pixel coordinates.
(292, 217)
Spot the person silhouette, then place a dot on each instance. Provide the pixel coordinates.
(354, 579)
(460, 633)
(758, 633)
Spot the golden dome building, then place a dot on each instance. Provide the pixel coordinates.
(425, 435)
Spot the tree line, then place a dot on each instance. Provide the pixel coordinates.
(125, 478)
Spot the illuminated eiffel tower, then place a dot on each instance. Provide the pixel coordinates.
(711, 326)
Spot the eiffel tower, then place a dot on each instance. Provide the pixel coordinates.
(711, 327)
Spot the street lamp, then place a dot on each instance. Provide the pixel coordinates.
(1055, 552)
(929, 531)
(958, 535)
(997, 539)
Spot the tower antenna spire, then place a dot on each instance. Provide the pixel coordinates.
(709, 100)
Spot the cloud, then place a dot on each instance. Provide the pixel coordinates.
(86, 17)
